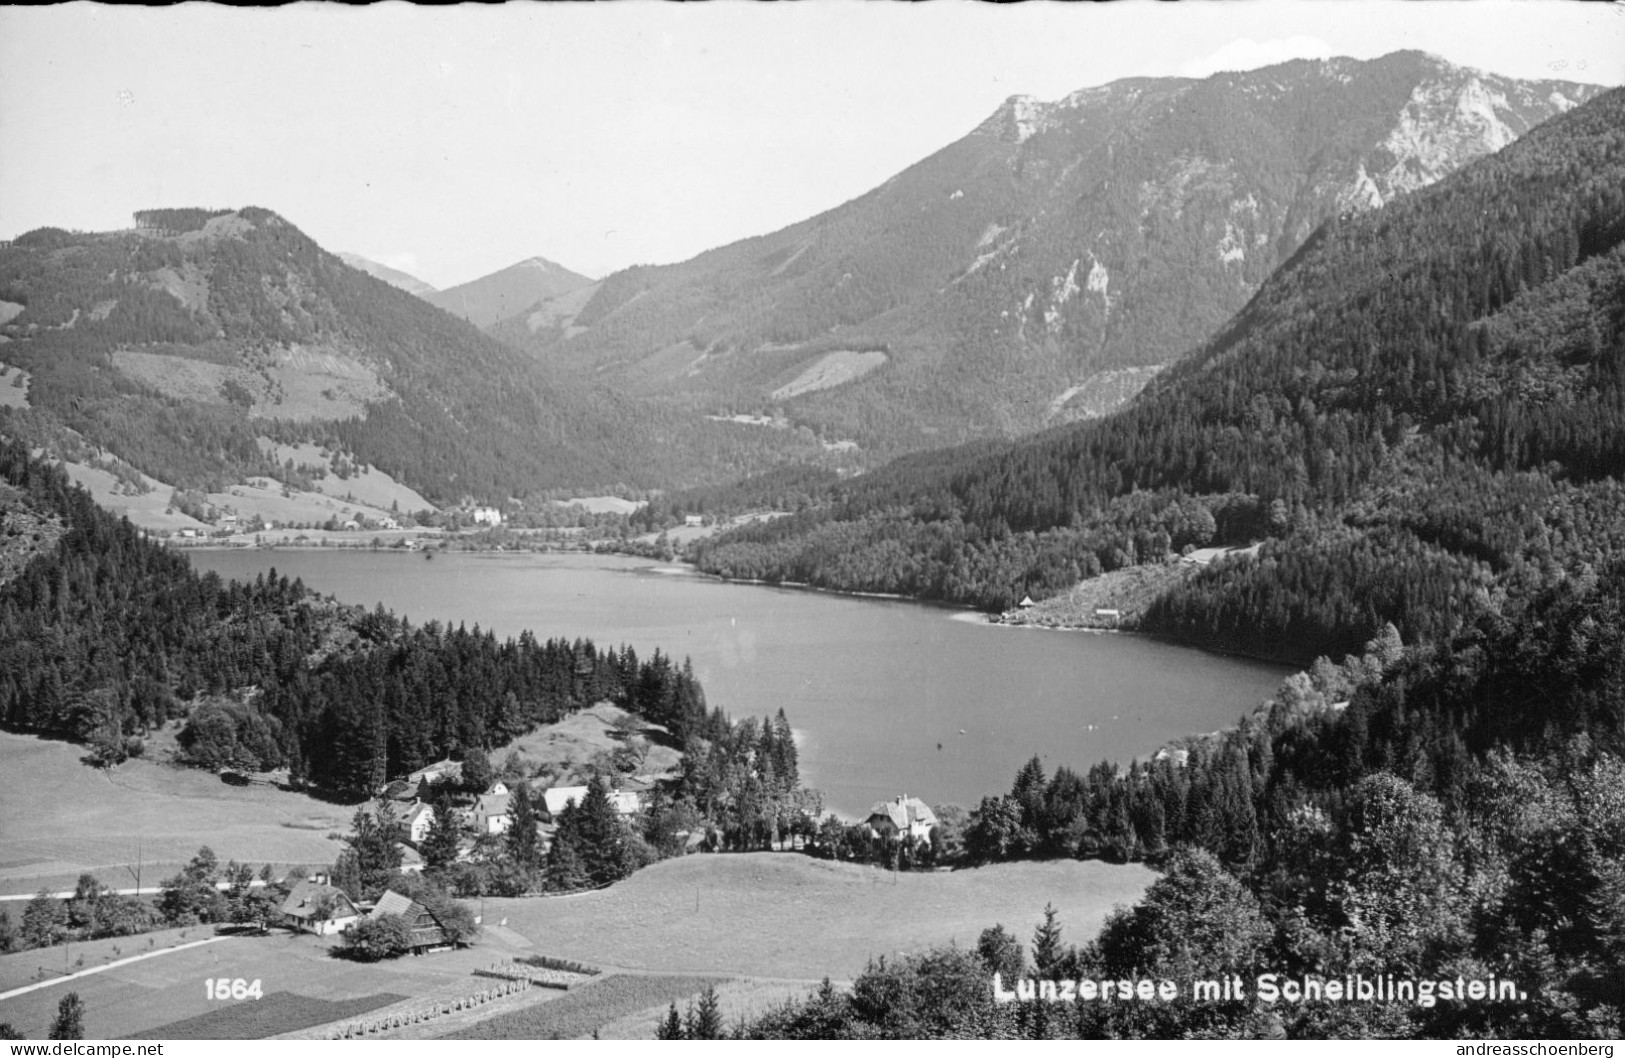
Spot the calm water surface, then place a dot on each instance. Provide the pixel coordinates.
(887, 697)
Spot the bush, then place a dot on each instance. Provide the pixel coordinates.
(372, 939)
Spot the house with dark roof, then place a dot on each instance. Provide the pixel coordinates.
(902, 817)
(426, 929)
(312, 907)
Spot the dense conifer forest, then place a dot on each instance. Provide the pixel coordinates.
(106, 636)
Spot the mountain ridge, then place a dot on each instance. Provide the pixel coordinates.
(509, 291)
(1115, 228)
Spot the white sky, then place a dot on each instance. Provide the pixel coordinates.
(452, 142)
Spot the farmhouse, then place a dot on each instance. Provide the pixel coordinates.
(487, 516)
(426, 929)
(693, 520)
(625, 802)
(312, 907)
(904, 816)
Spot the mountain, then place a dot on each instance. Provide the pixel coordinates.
(1420, 418)
(516, 289)
(395, 278)
(985, 290)
(190, 344)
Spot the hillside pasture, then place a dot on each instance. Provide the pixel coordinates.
(64, 818)
(788, 916)
(564, 747)
(14, 382)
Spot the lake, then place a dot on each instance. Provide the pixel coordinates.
(887, 697)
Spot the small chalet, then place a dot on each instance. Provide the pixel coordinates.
(625, 802)
(693, 520)
(312, 907)
(557, 797)
(903, 817)
(490, 814)
(417, 821)
(426, 929)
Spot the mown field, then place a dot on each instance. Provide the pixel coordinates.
(275, 1014)
(787, 916)
(63, 818)
(166, 996)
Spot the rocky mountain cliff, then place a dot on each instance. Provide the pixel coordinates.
(982, 290)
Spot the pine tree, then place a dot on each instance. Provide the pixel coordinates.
(524, 846)
(440, 844)
(672, 1027)
(70, 1019)
(705, 1020)
(1047, 951)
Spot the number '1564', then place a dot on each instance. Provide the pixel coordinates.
(228, 988)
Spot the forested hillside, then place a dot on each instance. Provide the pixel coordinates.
(178, 344)
(1422, 415)
(104, 637)
(1008, 280)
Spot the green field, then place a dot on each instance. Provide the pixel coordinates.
(275, 1014)
(147, 996)
(786, 916)
(64, 818)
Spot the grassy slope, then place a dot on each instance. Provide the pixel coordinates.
(63, 818)
(784, 915)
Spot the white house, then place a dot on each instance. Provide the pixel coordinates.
(557, 797)
(902, 817)
(417, 821)
(692, 520)
(490, 814)
(312, 907)
(625, 802)
(487, 516)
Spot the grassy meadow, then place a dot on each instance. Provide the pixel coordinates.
(783, 915)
